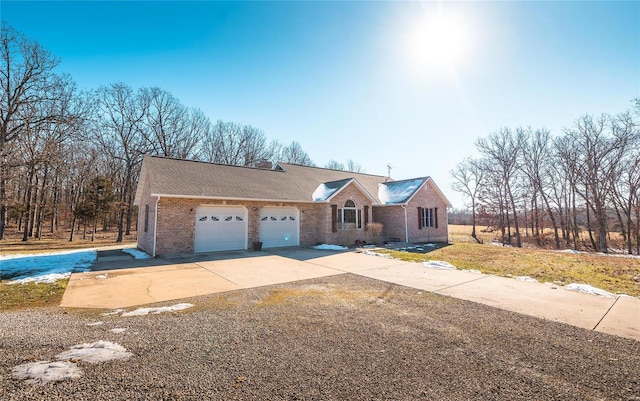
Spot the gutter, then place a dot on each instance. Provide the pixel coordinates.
(406, 226)
(155, 226)
(224, 198)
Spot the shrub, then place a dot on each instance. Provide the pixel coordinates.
(374, 235)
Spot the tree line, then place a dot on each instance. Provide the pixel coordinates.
(70, 158)
(571, 190)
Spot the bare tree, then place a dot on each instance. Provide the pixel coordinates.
(468, 179)
(28, 86)
(350, 166)
(334, 165)
(119, 133)
(354, 166)
(502, 149)
(293, 153)
(626, 182)
(537, 157)
(170, 128)
(240, 145)
(599, 149)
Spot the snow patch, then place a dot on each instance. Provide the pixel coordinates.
(146, 311)
(328, 247)
(380, 255)
(102, 276)
(438, 264)
(45, 267)
(99, 351)
(95, 324)
(42, 372)
(113, 312)
(118, 330)
(136, 253)
(323, 192)
(526, 278)
(65, 368)
(398, 191)
(587, 289)
(45, 279)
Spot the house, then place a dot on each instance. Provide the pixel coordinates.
(190, 206)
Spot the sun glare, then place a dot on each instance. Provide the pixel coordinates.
(438, 41)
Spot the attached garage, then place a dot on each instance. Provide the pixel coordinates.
(220, 228)
(279, 226)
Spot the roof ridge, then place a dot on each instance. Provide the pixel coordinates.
(332, 169)
(211, 163)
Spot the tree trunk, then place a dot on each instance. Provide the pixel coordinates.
(27, 213)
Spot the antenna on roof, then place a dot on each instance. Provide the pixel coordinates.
(389, 167)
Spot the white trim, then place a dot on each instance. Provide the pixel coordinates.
(233, 199)
(155, 226)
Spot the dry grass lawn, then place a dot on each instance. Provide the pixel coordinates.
(13, 243)
(29, 295)
(613, 274)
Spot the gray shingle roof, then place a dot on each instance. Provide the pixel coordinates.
(186, 178)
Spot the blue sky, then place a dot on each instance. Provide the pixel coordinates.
(344, 78)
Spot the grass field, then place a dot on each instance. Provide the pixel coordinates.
(613, 274)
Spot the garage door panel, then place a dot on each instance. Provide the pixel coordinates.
(220, 228)
(279, 227)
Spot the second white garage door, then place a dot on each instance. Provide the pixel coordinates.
(279, 226)
(220, 228)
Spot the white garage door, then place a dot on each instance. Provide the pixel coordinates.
(220, 228)
(279, 226)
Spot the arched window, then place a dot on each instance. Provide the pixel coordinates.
(349, 217)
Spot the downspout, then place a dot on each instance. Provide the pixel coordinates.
(406, 226)
(155, 226)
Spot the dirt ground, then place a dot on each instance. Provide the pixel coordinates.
(336, 338)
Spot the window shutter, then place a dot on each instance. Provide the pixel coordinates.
(419, 218)
(435, 212)
(366, 217)
(334, 218)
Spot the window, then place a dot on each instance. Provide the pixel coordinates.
(349, 217)
(428, 217)
(146, 218)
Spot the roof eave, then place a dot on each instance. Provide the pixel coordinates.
(225, 198)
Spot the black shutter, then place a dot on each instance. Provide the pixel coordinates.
(334, 218)
(366, 217)
(435, 213)
(419, 218)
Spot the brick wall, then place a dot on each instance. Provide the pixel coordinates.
(176, 223)
(351, 192)
(392, 218)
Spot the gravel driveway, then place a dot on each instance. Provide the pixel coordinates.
(336, 338)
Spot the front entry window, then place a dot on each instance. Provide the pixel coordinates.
(349, 217)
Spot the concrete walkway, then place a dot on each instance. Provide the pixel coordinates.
(121, 282)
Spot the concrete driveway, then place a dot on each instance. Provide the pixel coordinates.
(125, 282)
